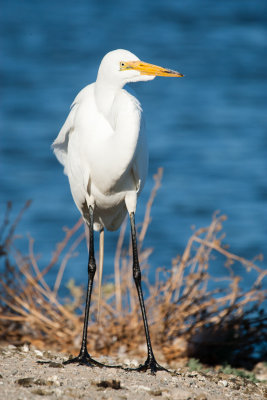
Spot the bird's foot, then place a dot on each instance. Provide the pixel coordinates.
(150, 365)
(84, 358)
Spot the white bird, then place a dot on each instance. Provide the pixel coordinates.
(103, 149)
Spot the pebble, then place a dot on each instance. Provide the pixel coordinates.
(41, 382)
(58, 392)
(38, 353)
(41, 392)
(25, 348)
(54, 380)
(201, 378)
(201, 396)
(25, 382)
(53, 364)
(11, 347)
(131, 363)
(156, 392)
(113, 384)
(223, 383)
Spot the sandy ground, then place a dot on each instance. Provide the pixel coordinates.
(22, 376)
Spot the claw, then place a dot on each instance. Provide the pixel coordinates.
(84, 358)
(150, 364)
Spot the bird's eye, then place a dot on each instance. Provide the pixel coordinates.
(122, 66)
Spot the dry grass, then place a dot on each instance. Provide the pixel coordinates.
(191, 312)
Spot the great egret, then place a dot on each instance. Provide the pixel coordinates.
(103, 150)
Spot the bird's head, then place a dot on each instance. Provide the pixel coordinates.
(121, 66)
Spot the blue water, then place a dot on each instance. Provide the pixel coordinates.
(208, 130)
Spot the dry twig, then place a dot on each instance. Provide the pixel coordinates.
(192, 311)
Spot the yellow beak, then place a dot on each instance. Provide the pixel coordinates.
(148, 69)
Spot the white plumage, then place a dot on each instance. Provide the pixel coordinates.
(102, 145)
(103, 149)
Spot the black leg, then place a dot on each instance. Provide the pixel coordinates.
(150, 363)
(84, 357)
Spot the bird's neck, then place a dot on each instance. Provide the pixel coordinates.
(105, 94)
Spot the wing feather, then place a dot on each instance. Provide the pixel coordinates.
(60, 145)
(140, 163)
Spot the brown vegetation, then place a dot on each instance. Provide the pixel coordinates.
(191, 312)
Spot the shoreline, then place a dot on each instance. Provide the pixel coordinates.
(27, 373)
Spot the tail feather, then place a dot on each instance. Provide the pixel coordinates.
(101, 262)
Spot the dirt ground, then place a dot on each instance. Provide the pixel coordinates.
(23, 377)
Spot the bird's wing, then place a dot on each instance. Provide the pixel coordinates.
(60, 145)
(140, 163)
(67, 148)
